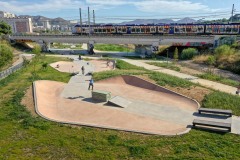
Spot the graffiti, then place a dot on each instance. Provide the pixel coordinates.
(177, 44)
(195, 44)
(155, 48)
(24, 40)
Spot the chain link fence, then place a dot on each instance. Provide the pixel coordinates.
(10, 70)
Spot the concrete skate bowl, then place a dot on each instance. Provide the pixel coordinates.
(153, 109)
(72, 67)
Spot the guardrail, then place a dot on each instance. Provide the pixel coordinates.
(10, 70)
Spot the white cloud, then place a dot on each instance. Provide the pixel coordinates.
(49, 5)
(164, 5)
(158, 7)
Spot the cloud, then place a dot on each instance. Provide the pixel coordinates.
(32, 7)
(164, 5)
(158, 7)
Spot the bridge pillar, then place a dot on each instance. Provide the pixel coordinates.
(44, 45)
(143, 50)
(90, 47)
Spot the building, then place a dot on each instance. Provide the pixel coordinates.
(46, 24)
(19, 24)
(7, 15)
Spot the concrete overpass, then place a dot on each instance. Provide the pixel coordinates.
(153, 41)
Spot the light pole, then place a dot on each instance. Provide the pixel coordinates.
(167, 56)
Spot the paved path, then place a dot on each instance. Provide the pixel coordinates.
(203, 82)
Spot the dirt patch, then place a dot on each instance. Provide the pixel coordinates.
(188, 70)
(194, 92)
(28, 101)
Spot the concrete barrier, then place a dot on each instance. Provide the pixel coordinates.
(102, 96)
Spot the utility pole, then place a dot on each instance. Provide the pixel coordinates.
(80, 12)
(89, 21)
(232, 13)
(93, 18)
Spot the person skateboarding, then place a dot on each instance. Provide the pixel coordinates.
(83, 70)
(90, 84)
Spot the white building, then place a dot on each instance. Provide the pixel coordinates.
(46, 24)
(7, 15)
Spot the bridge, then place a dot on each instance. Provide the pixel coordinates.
(139, 41)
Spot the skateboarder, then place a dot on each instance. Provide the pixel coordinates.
(90, 83)
(83, 70)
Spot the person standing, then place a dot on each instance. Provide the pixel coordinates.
(238, 89)
(90, 84)
(83, 70)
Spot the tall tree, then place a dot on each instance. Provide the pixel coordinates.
(5, 28)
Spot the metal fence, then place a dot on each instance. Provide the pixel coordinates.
(10, 70)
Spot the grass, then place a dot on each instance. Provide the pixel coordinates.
(222, 101)
(126, 66)
(171, 66)
(25, 137)
(208, 76)
(112, 47)
(217, 78)
(165, 79)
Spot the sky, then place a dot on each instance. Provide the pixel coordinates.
(123, 10)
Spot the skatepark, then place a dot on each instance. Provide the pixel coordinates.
(134, 105)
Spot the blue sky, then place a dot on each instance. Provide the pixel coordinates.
(123, 10)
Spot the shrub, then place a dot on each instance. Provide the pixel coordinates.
(189, 53)
(224, 50)
(175, 56)
(37, 49)
(6, 54)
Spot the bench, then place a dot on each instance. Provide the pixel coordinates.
(102, 96)
(217, 111)
(212, 124)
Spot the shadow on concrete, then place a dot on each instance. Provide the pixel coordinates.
(213, 116)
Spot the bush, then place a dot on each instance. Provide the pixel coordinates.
(189, 53)
(6, 54)
(223, 50)
(175, 56)
(37, 49)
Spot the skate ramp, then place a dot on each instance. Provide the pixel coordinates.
(153, 109)
(119, 101)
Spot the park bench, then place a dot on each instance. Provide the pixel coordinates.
(215, 111)
(102, 96)
(212, 124)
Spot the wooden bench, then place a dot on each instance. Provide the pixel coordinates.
(216, 111)
(212, 124)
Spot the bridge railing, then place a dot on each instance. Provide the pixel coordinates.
(10, 70)
(119, 36)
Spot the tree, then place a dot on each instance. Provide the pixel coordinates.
(5, 28)
(175, 55)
